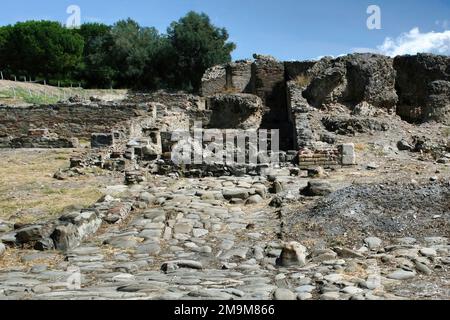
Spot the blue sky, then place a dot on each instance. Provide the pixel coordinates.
(286, 29)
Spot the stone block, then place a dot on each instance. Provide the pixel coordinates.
(66, 237)
(348, 154)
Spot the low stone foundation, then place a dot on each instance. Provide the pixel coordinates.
(70, 229)
(38, 138)
(324, 158)
(343, 155)
(66, 119)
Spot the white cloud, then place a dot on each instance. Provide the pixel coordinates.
(444, 24)
(414, 42)
(329, 56)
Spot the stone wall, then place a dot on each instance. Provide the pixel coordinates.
(295, 69)
(66, 120)
(269, 80)
(371, 78)
(265, 78)
(214, 80)
(415, 88)
(232, 77)
(235, 111)
(239, 76)
(40, 139)
(42, 143)
(270, 86)
(299, 109)
(351, 80)
(437, 104)
(173, 101)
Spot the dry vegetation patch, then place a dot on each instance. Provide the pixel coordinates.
(20, 93)
(28, 191)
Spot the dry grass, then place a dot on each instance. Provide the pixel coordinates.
(231, 90)
(303, 80)
(360, 147)
(26, 182)
(446, 131)
(12, 258)
(375, 150)
(18, 93)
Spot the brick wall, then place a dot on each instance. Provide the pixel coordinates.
(341, 155)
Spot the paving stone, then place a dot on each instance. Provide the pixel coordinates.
(401, 275)
(152, 249)
(373, 282)
(123, 242)
(304, 296)
(173, 265)
(330, 296)
(284, 294)
(216, 250)
(305, 288)
(373, 243)
(182, 228)
(2, 249)
(235, 193)
(123, 277)
(428, 252)
(198, 233)
(254, 199)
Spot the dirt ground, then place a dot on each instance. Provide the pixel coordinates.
(388, 193)
(28, 191)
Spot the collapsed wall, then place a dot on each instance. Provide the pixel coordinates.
(239, 76)
(234, 77)
(235, 111)
(214, 80)
(264, 78)
(299, 111)
(413, 87)
(270, 86)
(293, 93)
(348, 80)
(309, 102)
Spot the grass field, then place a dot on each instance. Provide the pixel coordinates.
(18, 93)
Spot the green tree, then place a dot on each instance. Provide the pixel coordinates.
(43, 48)
(198, 45)
(97, 69)
(135, 51)
(4, 38)
(125, 54)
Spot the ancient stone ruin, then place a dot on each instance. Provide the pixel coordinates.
(221, 225)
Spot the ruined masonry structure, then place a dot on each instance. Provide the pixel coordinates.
(317, 106)
(364, 192)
